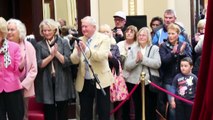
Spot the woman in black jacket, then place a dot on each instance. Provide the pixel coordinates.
(53, 85)
(171, 52)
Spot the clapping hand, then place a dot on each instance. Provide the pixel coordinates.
(139, 57)
(83, 45)
(80, 44)
(174, 50)
(54, 50)
(183, 47)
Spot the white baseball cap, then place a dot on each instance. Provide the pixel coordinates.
(120, 14)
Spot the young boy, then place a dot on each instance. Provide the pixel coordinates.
(184, 85)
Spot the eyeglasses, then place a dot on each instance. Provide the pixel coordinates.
(118, 19)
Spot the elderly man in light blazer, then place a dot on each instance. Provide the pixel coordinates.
(96, 47)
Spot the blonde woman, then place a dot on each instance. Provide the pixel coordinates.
(197, 41)
(54, 85)
(200, 32)
(136, 62)
(11, 98)
(171, 52)
(114, 54)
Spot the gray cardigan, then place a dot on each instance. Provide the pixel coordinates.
(133, 70)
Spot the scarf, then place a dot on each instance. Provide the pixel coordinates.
(4, 50)
(52, 66)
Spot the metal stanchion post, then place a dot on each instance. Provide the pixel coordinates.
(143, 94)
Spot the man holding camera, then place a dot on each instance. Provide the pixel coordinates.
(118, 30)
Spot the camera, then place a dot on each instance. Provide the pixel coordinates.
(114, 30)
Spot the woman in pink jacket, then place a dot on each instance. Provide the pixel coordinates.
(17, 34)
(11, 98)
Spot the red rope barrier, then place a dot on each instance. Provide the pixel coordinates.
(178, 97)
(159, 88)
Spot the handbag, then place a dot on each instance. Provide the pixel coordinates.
(118, 89)
(155, 79)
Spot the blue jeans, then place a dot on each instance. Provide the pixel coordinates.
(171, 110)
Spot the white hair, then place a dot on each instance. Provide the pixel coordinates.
(90, 20)
(20, 27)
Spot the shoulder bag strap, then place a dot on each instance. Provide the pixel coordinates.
(148, 56)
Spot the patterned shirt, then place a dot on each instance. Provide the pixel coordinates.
(185, 85)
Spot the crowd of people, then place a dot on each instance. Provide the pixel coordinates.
(58, 68)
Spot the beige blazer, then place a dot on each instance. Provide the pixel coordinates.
(98, 58)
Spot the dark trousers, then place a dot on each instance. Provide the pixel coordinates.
(183, 110)
(118, 113)
(57, 111)
(12, 105)
(136, 96)
(162, 104)
(87, 96)
(150, 104)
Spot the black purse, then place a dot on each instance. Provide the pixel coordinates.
(155, 79)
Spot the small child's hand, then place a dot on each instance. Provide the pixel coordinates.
(173, 104)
